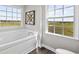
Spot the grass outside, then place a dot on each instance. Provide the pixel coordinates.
(68, 28)
(59, 27)
(51, 27)
(10, 23)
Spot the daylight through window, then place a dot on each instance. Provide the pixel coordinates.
(60, 19)
(10, 16)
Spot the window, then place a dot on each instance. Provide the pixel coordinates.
(60, 19)
(10, 16)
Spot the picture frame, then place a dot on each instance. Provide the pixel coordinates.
(30, 17)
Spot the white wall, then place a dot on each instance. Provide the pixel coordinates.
(38, 17)
(37, 9)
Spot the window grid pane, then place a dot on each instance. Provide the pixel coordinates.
(69, 11)
(51, 25)
(68, 26)
(63, 20)
(9, 9)
(19, 15)
(2, 18)
(14, 10)
(51, 8)
(66, 6)
(58, 6)
(19, 11)
(2, 13)
(10, 16)
(68, 29)
(58, 27)
(59, 13)
(2, 8)
(51, 14)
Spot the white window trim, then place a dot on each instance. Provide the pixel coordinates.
(75, 28)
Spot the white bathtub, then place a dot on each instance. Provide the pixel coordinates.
(17, 41)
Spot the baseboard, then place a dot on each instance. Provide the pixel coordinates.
(48, 47)
(43, 45)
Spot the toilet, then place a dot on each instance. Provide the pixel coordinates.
(63, 51)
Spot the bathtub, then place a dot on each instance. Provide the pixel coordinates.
(18, 41)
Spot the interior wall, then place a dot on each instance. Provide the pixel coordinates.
(38, 19)
(37, 9)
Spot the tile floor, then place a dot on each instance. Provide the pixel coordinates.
(41, 51)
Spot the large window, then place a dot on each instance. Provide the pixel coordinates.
(10, 16)
(61, 19)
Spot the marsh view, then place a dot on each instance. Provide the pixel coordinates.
(60, 27)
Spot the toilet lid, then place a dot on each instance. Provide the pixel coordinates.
(64, 51)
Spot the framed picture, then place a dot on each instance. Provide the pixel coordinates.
(30, 17)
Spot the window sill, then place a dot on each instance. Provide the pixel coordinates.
(60, 35)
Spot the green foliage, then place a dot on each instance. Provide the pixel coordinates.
(10, 23)
(67, 27)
